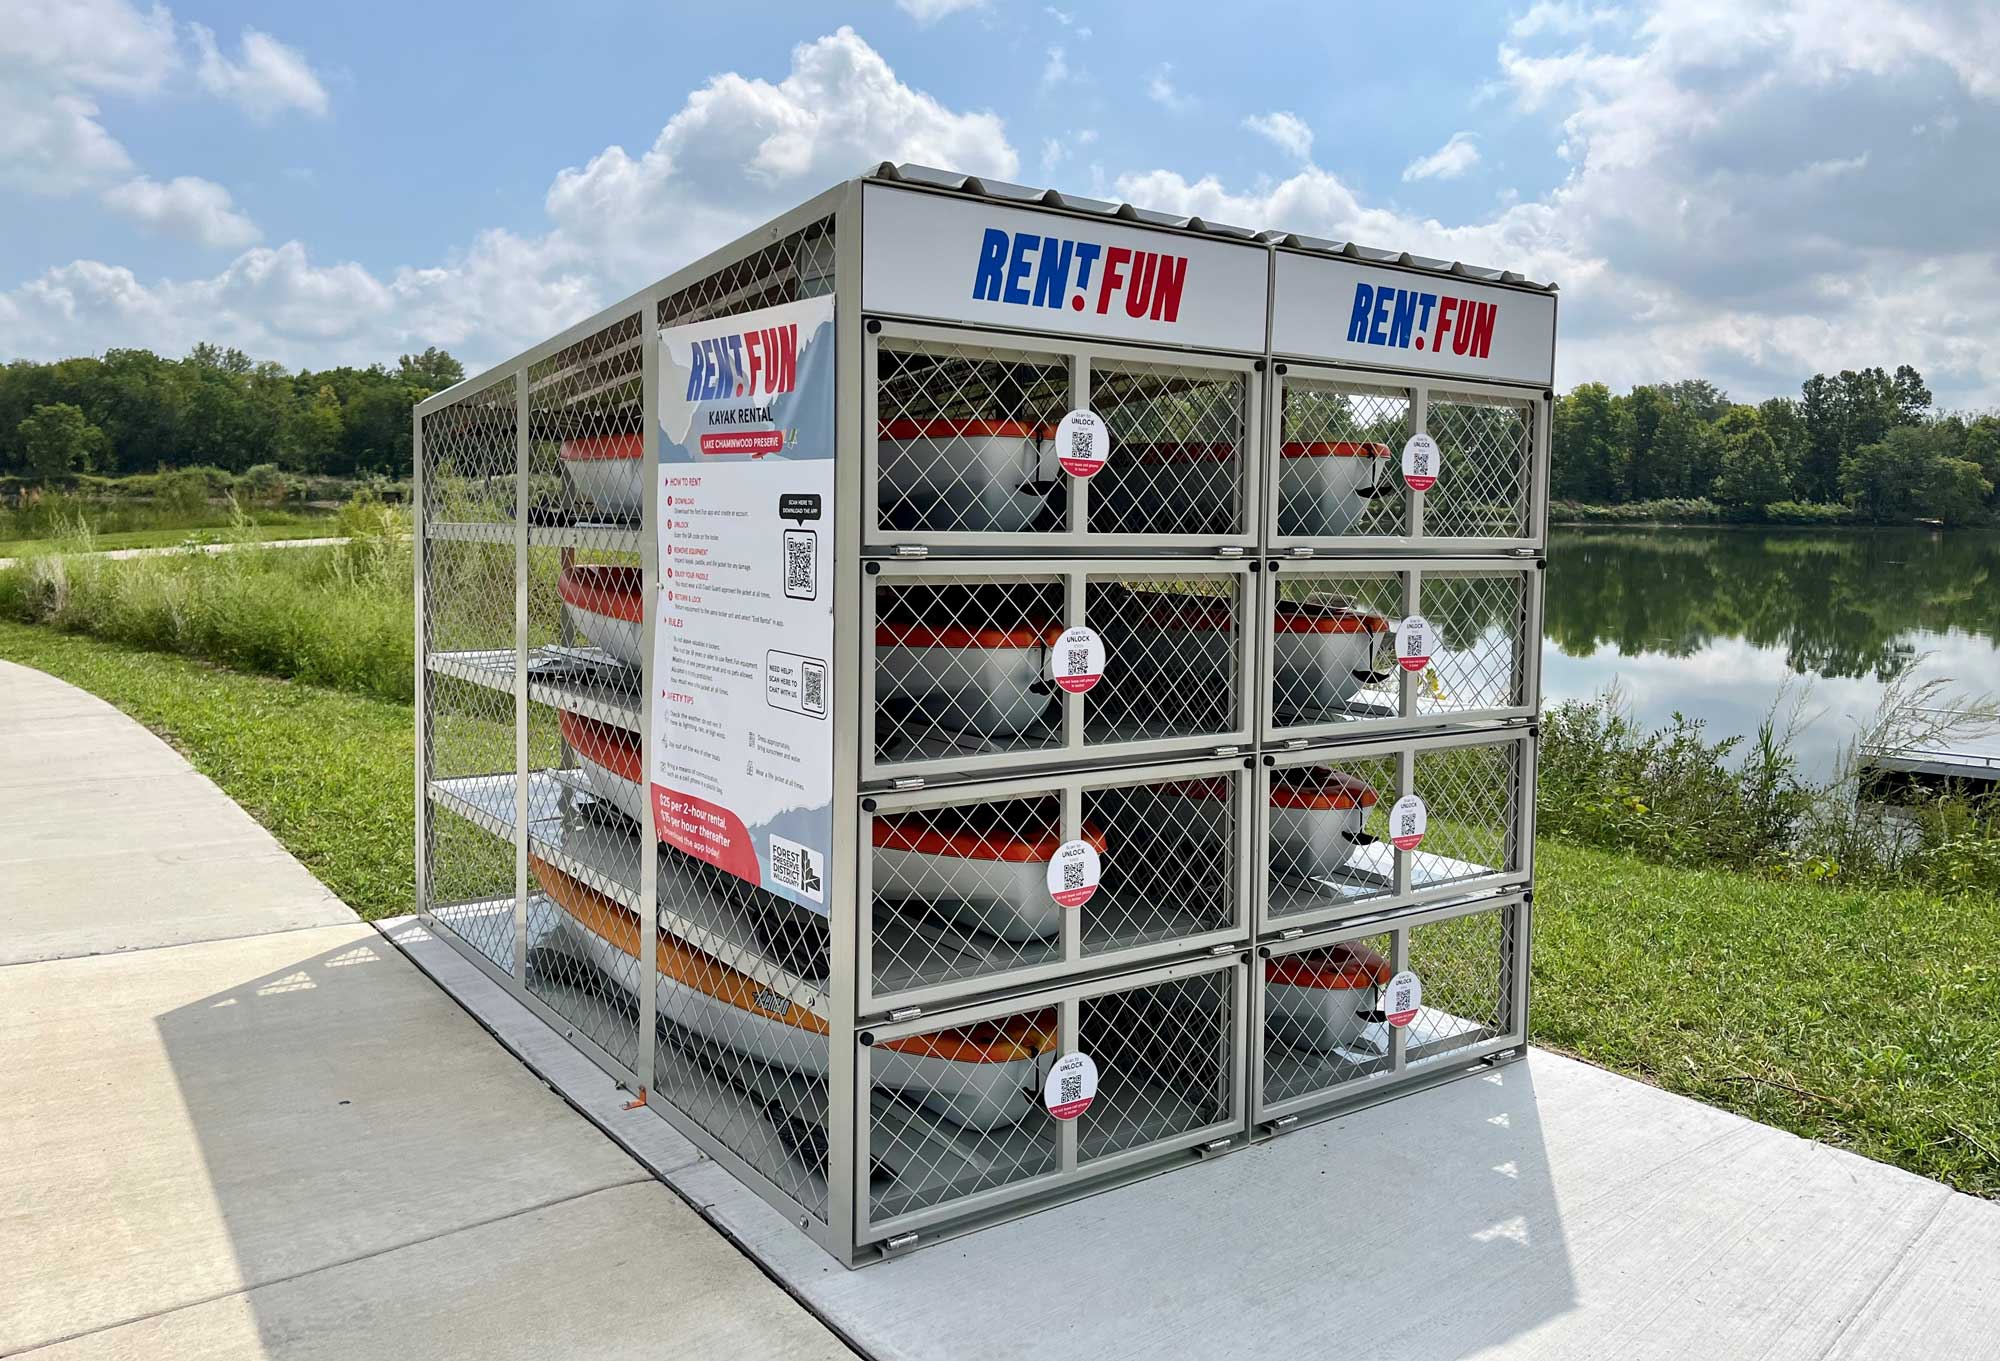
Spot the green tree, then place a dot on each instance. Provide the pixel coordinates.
(59, 442)
(1889, 479)
(1586, 448)
(432, 371)
(1955, 491)
(1754, 473)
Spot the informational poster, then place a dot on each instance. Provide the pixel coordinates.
(742, 766)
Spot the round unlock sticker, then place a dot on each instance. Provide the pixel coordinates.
(1420, 462)
(1073, 873)
(1082, 443)
(1402, 998)
(1407, 821)
(1076, 660)
(1071, 1086)
(1415, 641)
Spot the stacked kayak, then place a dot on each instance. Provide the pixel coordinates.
(985, 1076)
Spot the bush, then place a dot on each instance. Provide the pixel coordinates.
(264, 485)
(338, 617)
(1807, 513)
(1674, 511)
(1672, 796)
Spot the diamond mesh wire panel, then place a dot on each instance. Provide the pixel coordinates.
(798, 265)
(1165, 1062)
(1333, 647)
(1177, 449)
(960, 665)
(1323, 1025)
(470, 456)
(1169, 865)
(960, 890)
(1470, 795)
(1463, 962)
(1485, 465)
(741, 1045)
(959, 887)
(959, 1111)
(1327, 830)
(586, 625)
(1171, 646)
(965, 438)
(1338, 474)
(467, 728)
(1479, 660)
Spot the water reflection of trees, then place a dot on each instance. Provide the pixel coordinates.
(1838, 604)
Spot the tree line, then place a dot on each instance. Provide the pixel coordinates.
(132, 411)
(1863, 444)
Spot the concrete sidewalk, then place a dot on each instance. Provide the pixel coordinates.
(238, 1123)
(120, 554)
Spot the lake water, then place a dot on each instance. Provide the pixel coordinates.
(1720, 624)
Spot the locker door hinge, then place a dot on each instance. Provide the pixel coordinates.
(906, 1013)
(912, 550)
(908, 782)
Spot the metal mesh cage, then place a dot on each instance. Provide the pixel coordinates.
(957, 1119)
(1333, 664)
(1339, 478)
(964, 438)
(1485, 467)
(1329, 848)
(1166, 1058)
(797, 265)
(967, 889)
(967, 666)
(1328, 1037)
(1179, 435)
(1338, 474)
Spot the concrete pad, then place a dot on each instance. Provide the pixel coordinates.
(113, 842)
(1547, 1210)
(623, 1273)
(183, 1123)
(649, 1139)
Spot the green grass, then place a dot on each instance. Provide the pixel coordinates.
(318, 527)
(335, 616)
(329, 773)
(1867, 1018)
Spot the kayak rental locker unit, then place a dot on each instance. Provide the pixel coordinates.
(968, 696)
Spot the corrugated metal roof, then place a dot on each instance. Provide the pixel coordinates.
(1021, 195)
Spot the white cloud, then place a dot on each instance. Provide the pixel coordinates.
(930, 11)
(1736, 203)
(1160, 88)
(56, 58)
(1287, 131)
(267, 79)
(739, 150)
(1559, 16)
(742, 149)
(1448, 162)
(1067, 18)
(1056, 69)
(1056, 150)
(200, 210)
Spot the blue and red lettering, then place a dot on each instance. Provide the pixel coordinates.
(1402, 318)
(1026, 269)
(760, 363)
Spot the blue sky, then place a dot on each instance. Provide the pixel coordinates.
(1741, 189)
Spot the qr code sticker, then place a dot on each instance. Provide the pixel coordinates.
(1072, 1087)
(1073, 874)
(1082, 443)
(1079, 660)
(812, 688)
(801, 564)
(1409, 825)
